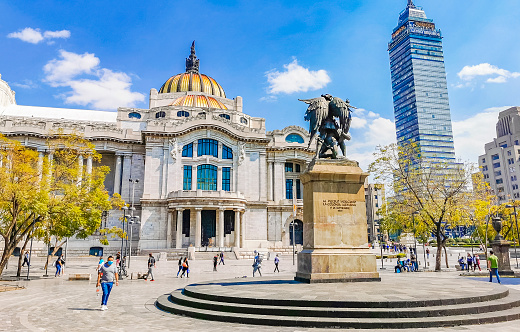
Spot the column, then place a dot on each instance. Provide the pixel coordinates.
(50, 157)
(125, 184)
(278, 182)
(269, 181)
(178, 235)
(194, 178)
(262, 188)
(237, 228)
(219, 178)
(198, 227)
(117, 176)
(80, 169)
(89, 164)
(40, 165)
(242, 229)
(220, 241)
(169, 222)
(166, 157)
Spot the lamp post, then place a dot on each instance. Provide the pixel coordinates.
(415, 241)
(516, 223)
(132, 218)
(381, 246)
(130, 223)
(124, 208)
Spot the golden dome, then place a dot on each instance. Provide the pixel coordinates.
(198, 101)
(191, 80)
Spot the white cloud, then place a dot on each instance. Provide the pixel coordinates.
(34, 36)
(358, 123)
(26, 84)
(296, 78)
(471, 134)
(469, 73)
(104, 89)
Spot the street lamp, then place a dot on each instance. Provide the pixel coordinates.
(124, 208)
(415, 240)
(131, 221)
(517, 237)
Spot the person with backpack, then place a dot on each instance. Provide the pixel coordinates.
(151, 265)
(257, 263)
(221, 258)
(180, 266)
(185, 268)
(59, 266)
(26, 259)
(106, 275)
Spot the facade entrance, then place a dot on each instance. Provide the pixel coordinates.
(209, 226)
(298, 232)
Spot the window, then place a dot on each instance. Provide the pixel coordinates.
(508, 153)
(512, 169)
(226, 178)
(227, 153)
(134, 115)
(207, 177)
(499, 181)
(510, 161)
(513, 178)
(503, 145)
(187, 150)
(297, 168)
(288, 167)
(496, 165)
(288, 189)
(486, 176)
(498, 173)
(484, 168)
(243, 120)
(483, 160)
(207, 147)
(183, 114)
(229, 221)
(225, 116)
(160, 114)
(494, 157)
(186, 183)
(298, 189)
(516, 142)
(501, 190)
(294, 138)
(186, 222)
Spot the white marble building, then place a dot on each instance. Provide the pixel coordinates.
(209, 174)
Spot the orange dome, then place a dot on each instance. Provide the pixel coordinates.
(198, 101)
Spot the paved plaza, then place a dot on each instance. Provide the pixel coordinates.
(56, 304)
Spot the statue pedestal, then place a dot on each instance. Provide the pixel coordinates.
(335, 245)
(501, 250)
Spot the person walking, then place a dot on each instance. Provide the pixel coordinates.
(469, 261)
(476, 262)
(215, 261)
(276, 262)
(59, 266)
(257, 264)
(427, 253)
(106, 275)
(221, 258)
(185, 268)
(415, 266)
(151, 265)
(180, 266)
(492, 263)
(26, 259)
(101, 261)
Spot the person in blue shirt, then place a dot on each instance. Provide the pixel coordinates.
(276, 262)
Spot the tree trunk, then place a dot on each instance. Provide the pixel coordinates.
(446, 254)
(5, 257)
(439, 248)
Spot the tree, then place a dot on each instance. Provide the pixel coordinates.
(23, 201)
(436, 192)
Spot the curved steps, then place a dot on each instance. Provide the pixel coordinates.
(498, 305)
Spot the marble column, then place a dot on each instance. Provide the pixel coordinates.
(80, 169)
(242, 229)
(279, 182)
(166, 158)
(220, 241)
(178, 235)
(219, 178)
(262, 188)
(269, 181)
(194, 178)
(89, 165)
(40, 165)
(198, 227)
(125, 184)
(117, 175)
(169, 222)
(237, 228)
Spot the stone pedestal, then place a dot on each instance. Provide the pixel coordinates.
(335, 245)
(501, 250)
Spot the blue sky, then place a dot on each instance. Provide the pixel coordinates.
(269, 52)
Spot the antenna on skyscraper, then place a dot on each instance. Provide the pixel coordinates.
(410, 4)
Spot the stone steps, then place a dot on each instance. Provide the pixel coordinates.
(165, 304)
(394, 303)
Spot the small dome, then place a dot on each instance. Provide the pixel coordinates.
(191, 80)
(198, 101)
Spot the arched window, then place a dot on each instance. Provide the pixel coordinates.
(187, 150)
(160, 114)
(243, 120)
(183, 114)
(227, 153)
(225, 116)
(207, 147)
(298, 231)
(134, 115)
(294, 138)
(207, 177)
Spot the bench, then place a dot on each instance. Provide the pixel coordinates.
(80, 276)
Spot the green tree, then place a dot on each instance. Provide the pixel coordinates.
(435, 192)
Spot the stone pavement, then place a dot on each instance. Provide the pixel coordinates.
(56, 304)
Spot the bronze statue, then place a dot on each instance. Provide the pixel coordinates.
(322, 113)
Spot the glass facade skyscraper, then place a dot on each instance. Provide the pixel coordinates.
(420, 92)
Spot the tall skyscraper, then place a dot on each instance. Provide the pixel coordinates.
(421, 106)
